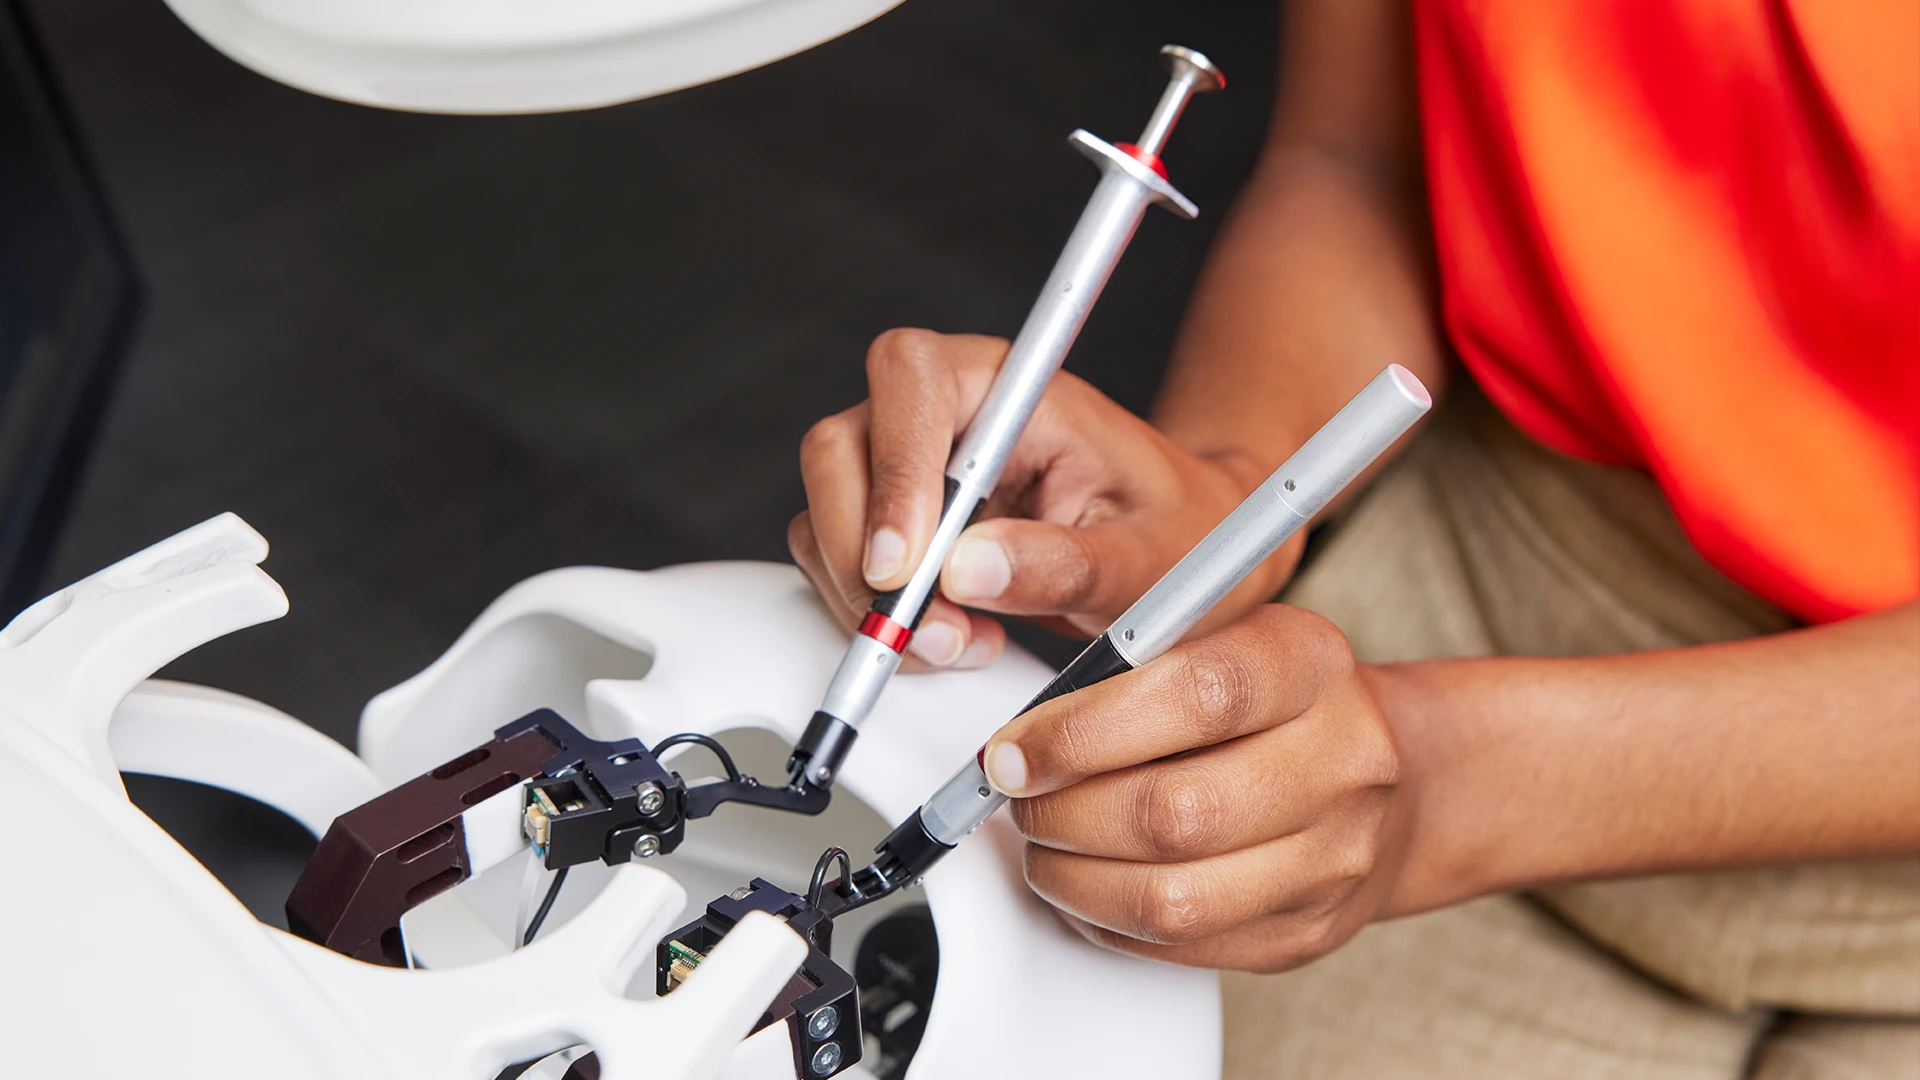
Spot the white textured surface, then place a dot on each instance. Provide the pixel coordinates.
(512, 56)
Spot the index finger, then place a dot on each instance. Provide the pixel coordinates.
(925, 388)
(1257, 673)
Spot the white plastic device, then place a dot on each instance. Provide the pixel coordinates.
(512, 56)
(108, 925)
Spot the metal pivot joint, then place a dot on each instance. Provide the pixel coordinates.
(1132, 178)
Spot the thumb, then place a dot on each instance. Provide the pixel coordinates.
(1015, 566)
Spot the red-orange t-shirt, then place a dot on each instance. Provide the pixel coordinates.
(1684, 235)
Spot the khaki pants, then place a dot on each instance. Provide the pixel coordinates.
(1478, 542)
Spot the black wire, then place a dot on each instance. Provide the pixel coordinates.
(707, 741)
(546, 905)
(820, 873)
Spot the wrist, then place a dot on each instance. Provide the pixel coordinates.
(1448, 853)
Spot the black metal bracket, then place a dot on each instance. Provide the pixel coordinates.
(585, 799)
(610, 801)
(614, 801)
(820, 1005)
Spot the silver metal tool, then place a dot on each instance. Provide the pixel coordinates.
(1132, 179)
(1302, 487)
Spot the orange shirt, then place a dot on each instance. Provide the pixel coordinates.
(1684, 235)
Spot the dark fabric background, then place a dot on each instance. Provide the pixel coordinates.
(429, 356)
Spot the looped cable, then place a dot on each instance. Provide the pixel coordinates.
(697, 739)
(819, 883)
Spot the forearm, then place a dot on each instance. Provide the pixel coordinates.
(1794, 747)
(1313, 287)
(1321, 275)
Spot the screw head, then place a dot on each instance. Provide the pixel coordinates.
(1178, 59)
(826, 1059)
(646, 846)
(649, 798)
(740, 893)
(824, 1022)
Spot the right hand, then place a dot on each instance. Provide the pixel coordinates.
(1094, 504)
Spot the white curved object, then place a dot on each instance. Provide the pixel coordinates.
(124, 957)
(746, 648)
(214, 737)
(512, 56)
(107, 924)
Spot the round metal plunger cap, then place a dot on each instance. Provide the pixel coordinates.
(1178, 59)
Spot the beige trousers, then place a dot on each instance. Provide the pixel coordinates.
(1479, 542)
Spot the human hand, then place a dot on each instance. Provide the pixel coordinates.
(1236, 803)
(1094, 504)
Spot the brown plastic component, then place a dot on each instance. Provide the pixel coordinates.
(387, 856)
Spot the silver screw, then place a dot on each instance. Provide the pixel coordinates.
(1192, 74)
(824, 1022)
(826, 1059)
(646, 846)
(649, 798)
(822, 775)
(741, 893)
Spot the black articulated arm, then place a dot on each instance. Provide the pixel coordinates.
(583, 799)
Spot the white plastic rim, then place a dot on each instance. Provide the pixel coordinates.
(512, 56)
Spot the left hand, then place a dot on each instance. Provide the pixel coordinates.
(1234, 804)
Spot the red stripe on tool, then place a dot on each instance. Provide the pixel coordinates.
(1151, 161)
(886, 631)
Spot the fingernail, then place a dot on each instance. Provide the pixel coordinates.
(886, 554)
(936, 643)
(1006, 768)
(978, 569)
(978, 654)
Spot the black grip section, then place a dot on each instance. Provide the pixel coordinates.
(887, 602)
(903, 857)
(821, 749)
(1097, 662)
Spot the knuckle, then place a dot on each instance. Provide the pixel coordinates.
(800, 535)
(1182, 814)
(1076, 572)
(1379, 763)
(901, 347)
(1074, 746)
(1035, 817)
(1320, 936)
(892, 476)
(1329, 649)
(824, 437)
(1351, 866)
(1219, 688)
(1172, 908)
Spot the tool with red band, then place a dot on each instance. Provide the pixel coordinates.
(1132, 178)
